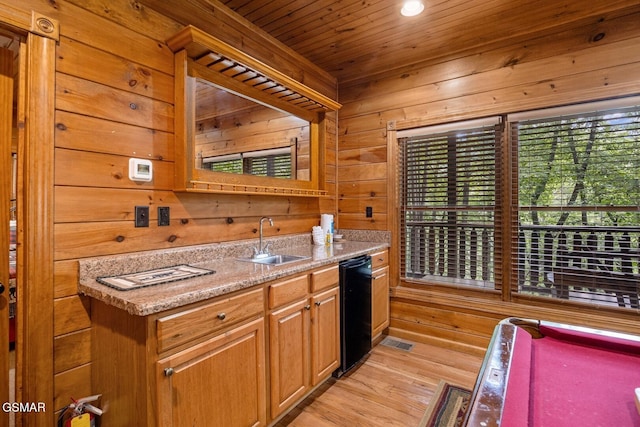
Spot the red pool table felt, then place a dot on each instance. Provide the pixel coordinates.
(571, 377)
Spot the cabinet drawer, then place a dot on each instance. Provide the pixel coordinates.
(288, 291)
(379, 259)
(185, 326)
(326, 278)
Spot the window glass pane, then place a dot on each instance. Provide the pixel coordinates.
(253, 163)
(448, 182)
(278, 166)
(579, 199)
(229, 166)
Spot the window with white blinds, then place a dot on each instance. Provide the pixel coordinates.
(272, 163)
(579, 206)
(448, 198)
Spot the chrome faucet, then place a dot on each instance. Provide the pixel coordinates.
(262, 252)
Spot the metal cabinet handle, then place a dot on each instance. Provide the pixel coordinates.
(1, 288)
(318, 303)
(222, 316)
(379, 277)
(168, 372)
(307, 307)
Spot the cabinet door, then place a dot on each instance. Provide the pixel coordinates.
(220, 382)
(289, 355)
(379, 301)
(325, 334)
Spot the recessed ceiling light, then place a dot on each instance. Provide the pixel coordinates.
(412, 8)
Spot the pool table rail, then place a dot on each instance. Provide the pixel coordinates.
(487, 400)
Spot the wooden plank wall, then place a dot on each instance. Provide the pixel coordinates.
(114, 100)
(600, 59)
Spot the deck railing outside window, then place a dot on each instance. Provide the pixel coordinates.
(580, 263)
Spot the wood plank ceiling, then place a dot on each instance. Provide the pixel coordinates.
(355, 40)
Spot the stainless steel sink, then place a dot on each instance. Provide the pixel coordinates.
(275, 259)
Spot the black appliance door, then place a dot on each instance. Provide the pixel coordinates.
(355, 319)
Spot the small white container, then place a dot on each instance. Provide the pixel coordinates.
(318, 238)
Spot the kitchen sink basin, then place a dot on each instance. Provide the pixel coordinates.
(275, 259)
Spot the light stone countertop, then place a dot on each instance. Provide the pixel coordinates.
(230, 274)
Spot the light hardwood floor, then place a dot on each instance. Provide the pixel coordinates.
(391, 388)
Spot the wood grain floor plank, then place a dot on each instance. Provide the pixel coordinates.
(390, 388)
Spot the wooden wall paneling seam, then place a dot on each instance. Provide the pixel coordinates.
(16, 17)
(65, 278)
(467, 323)
(133, 16)
(79, 132)
(622, 320)
(72, 350)
(359, 222)
(84, 239)
(367, 138)
(70, 313)
(98, 31)
(363, 155)
(599, 84)
(520, 95)
(85, 168)
(71, 383)
(80, 96)
(371, 188)
(86, 62)
(357, 204)
(98, 204)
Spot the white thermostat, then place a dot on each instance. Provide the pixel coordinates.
(140, 170)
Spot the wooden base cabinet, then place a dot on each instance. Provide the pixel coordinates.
(201, 365)
(289, 353)
(325, 335)
(205, 364)
(304, 335)
(379, 293)
(220, 382)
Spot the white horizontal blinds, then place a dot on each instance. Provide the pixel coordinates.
(448, 196)
(579, 206)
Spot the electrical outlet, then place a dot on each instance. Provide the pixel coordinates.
(164, 218)
(369, 212)
(142, 216)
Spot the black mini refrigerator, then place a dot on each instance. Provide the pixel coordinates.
(355, 311)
